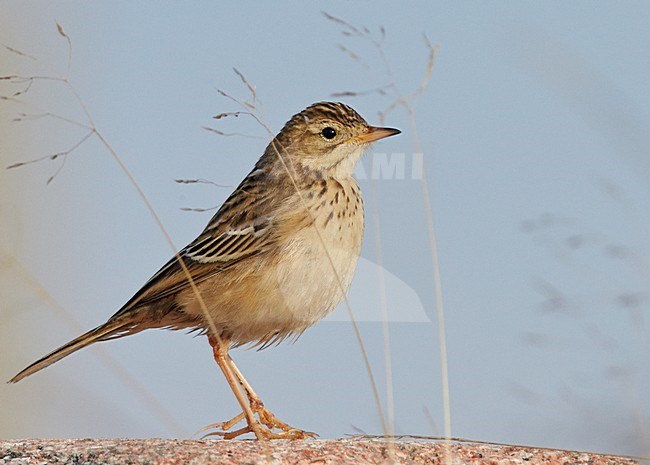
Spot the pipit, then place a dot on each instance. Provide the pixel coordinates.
(278, 256)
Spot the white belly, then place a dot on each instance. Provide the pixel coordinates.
(315, 275)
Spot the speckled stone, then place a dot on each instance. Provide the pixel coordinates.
(312, 452)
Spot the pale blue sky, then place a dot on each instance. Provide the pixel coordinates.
(536, 152)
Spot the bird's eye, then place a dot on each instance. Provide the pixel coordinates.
(328, 133)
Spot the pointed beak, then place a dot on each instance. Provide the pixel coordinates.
(375, 133)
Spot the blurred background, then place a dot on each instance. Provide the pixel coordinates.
(532, 137)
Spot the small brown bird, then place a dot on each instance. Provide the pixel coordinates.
(278, 256)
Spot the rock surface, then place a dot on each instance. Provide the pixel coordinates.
(313, 452)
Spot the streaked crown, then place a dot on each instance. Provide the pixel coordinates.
(315, 118)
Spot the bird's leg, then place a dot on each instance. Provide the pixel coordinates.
(262, 428)
(220, 351)
(266, 417)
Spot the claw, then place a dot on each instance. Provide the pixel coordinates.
(266, 425)
(272, 422)
(222, 425)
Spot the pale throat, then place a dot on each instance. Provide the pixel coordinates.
(339, 163)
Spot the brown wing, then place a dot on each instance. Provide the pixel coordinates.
(243, 227)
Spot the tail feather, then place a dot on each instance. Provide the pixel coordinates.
(109, 330)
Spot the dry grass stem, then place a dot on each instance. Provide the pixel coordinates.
(252, 106)
(405, 101)
(228, 134)
(18, 52)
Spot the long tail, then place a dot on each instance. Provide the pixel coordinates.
(109, 330)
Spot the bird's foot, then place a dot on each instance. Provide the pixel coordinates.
(264, 426)
(271, 422)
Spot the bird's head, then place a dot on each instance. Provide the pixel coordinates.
(328, 138)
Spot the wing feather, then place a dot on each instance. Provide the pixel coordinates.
(243, 227)
(229, 245)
